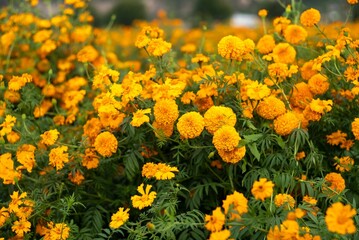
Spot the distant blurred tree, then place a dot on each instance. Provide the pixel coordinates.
(212, 10)
(128, 10)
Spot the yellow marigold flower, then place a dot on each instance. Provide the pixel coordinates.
(300, 155)
(42, 35)
(262, 13)
(310, 200)
(163, 130)
(17, 82)
(285, 200)
(58, 231)
(40, 111)
(257, 91)
(266, 44)
(110, 116)
(165, 172)
(232, 47)
(165, 111)
(190, 125)
(237, 203)
(142, 41)
(306, 70)
(90, 159)
(149, 170)
(21, 227)
(25, 155)
(4, 215)
(284, 53)
(92, 128)
(352, 2)
(301, 95)
(7, 171)
(200, 58)
(271, 107)
(280, 71)
(262, 189)
(335, 182)
(286, 123)
(158, 47)
(140, 117)
(58, 156)
(6, 126)
(355, 128)
(321, 106)
(87, 54)
(106, 144)
(233, 156)
(188, 48)
(280, 24)
(310, 17)
(119, 218)
(295, 34)
(226, 138)
(274, 233)
(13, 137)
(318, 84)
(289, 229)
(339, 218)
(188, 97)
(145, 199)
(220, 235)
(49, 137)
(215, 222)
(218, 116)
(343, 164)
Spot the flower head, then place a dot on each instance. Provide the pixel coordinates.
(335, 182)
(285, 200)
(165, 111)
(119, 218)
(106, 144)
(286, 123)
(140, 117)
(339, 218)
(218, 116)
(49, 137)
(236, 202)
(271, 107)
(262, 189)
(355, 128)
(58, 156)
(190, 125)
(215, 222)
(295, 34)
(145, 199)
(310, 17)
(226, 138)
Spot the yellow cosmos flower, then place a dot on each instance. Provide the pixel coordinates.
(145, 199)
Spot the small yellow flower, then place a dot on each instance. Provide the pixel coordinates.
(145, 199)
(119, 218)
(140, 117)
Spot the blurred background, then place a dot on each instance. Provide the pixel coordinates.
(193, 12)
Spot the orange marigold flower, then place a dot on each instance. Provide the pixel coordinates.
(280, 24)
(266, 44)
(284, 53)
(215, 222)
(343, 164)
(140, 117)
(285, 200)
(226, 138)
(301, 95)
(232, 47)
(262, 189)
(306, 70)
(58, 156)
(352, 2)
(271, 107)
(87, 54)
(17, 82)
(21, 227)
(300, 155)
(7, 171)
(257, 91)
(145, 199)
(286, 123)
(166, 111)
(165, 172)
(232, 156)
(119, 218)
(335, 181)
(218, 116)
(90, 159)
(355, 128)
(6, 126)
(339, 218)
(25, 155)
(262, 13)
(220, 235)
(310, 17)
(321, 106)
(295, 34)
(190, 125)
(58, 231)
(106, 144)
(76, 177)
(49, 137)
(13, 137)
(237, 203)
(310, 200)
(4, 215)
(318, 84)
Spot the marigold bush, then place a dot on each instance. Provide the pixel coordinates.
(157, 131)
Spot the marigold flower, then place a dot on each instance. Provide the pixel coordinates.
(266, 44)
(25, 155)
(106, 144)
(257, 91)
(352, 2)
(321, 106)
(285, 200)
(58, 231)
(140, 117)
(158, 47)
(87, 54)
(335, 182)
(6, 126)
(306, 70)
(49, 137)
(286, 123)
(17, 82)
(76, 177)
(262, 13)
(218, 116)
(21, 227)
(310, 200)
(145, 199)
(355, 128)
(58, 156)
(339, 218)
(220, 235)
(318, 84)
(7, 171)
(262, 189)
(226, 138)
(343, 164)
(310, 17)
(119, 218)
(284, 53)
(301, 95)
(190, 125)
(271, 107)
(231, 47)
(165, 172)
(4, 215)
(92, 128)
(215, 222)
(165, 111)
(236, 202)
(233, 156)
(295, 34)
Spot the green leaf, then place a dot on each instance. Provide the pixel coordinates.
(253, 148)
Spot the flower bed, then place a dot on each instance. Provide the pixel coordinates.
(159, 132)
